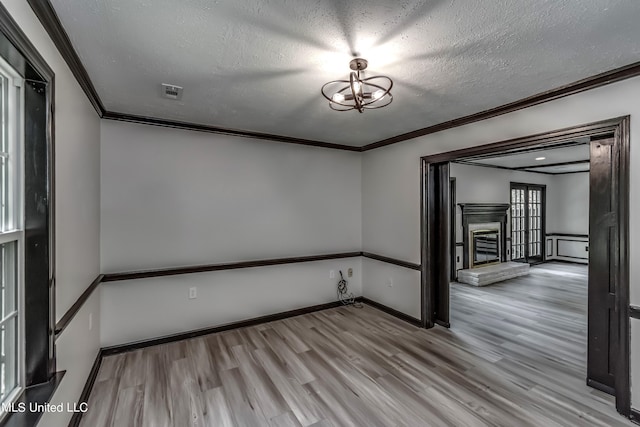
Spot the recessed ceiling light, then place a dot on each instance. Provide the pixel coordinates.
(540, 158)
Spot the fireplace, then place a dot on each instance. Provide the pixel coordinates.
(484, 231)
(484, 247)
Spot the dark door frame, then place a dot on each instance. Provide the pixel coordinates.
(434, 188)
(453, 225)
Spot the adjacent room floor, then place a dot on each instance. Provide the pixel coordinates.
(515, 355)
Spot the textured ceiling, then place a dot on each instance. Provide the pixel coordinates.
(258, 65)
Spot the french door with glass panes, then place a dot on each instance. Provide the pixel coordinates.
(527, 222)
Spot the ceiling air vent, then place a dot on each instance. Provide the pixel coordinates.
(171, 91)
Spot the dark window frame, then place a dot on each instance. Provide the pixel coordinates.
(543, 218)
(41, 378)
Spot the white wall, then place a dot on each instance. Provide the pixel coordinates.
(391, 175)
(392, 284)
(175, 198)
(568, 204)
(77, 135)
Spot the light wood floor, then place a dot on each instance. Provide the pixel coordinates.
(515, 356)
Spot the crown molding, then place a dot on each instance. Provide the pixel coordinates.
(131, 118)
(589, 83)
(50, 21)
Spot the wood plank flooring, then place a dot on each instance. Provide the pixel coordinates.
(515, 356)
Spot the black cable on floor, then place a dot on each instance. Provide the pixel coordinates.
(344, 295)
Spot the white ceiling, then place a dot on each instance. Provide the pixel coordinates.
(551, 159)
(258, 65)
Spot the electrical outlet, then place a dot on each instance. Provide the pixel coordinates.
(332, 274)
(586, 248)
(90, 321)
(390, 282)
(458, 258)
(350, 272)
(193, 293)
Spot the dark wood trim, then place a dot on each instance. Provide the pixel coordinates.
(566, 261)
(86, 390)
(520, 150)
(608, 77)
(453, 272)
(51, 23)
(619, 127)
(75, 308)
(568, 173)
(109, 115)
(425, 300)
(540, 139)
(623, 392)
(550, 165)
(112, 277)
(108, 351)
(392, 311)
(569, 256)
(634, 415)
(581, 236)
(10, 29)
(602, 387)
(123, 348)
(35, 395)
(427, 293)
(443, 324)
(393, 261)
(482, 165)
(634, 311)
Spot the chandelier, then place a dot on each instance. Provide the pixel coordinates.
(358, 93)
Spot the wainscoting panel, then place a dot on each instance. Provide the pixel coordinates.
(568, 247)
(576, 249)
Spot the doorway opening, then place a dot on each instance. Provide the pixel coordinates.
(513, 231)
